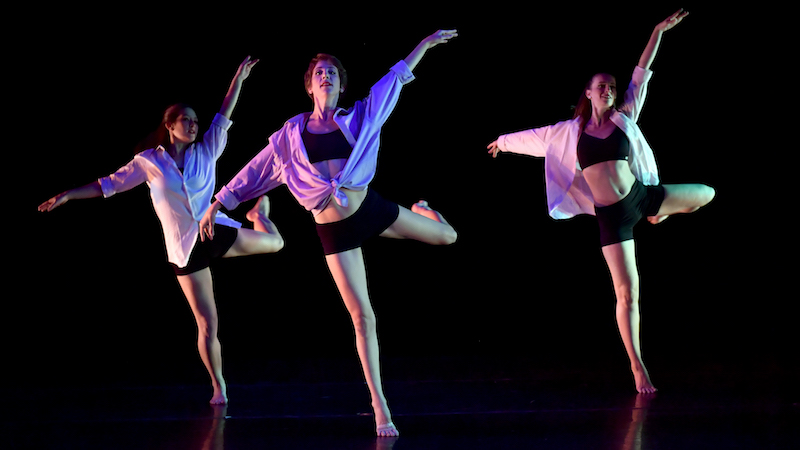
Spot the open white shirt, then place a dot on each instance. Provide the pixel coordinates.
(180, 199)
(285, 161)
(568, 194)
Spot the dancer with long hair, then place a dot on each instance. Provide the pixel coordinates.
(327, 158)
(181, 174)
(599, 163)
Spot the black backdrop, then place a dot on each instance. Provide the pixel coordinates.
(96, 302)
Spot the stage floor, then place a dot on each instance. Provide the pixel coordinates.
(711, 407)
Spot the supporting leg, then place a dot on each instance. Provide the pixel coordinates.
(621, 260)
(349, 273)
(199, 290)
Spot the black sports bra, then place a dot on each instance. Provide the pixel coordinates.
(324, 147)
(592, 150)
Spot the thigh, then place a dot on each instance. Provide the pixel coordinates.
(252, 242)
(621, 261)
(350, 275)
(410, 225)
(679, 198)
(198, 287)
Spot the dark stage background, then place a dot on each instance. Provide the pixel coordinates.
(97, 304)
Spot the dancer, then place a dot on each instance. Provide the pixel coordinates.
(327, 158)
(615, 178)
(180, 173)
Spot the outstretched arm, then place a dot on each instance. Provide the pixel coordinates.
(90, 190)
(649, 54)
(440, 37)
(236, 86)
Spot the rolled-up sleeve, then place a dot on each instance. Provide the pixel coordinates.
(127, 177)
(384, 94)
(636, 92)
(262, 174)
(216, 137)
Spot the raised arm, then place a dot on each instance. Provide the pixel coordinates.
(90, 190)
(236, 86)
(649, 54)
(440, 37)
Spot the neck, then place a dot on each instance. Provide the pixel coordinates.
(324, 108)
(600, 117)
(176, 148)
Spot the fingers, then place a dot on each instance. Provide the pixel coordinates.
(50, 205)
(206, 231)
(442, 37)
(674, 19)
(446, 35)
(494, 149)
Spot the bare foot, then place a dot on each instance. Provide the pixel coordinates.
(422, 208)
(220, 395)
(260, 210)
(657, 219)
(383, 422)
(387, 430)
(642, 379)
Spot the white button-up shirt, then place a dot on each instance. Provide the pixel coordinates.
(180, 199)
(568, 194)
(285, 161)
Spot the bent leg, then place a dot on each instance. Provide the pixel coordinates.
(199, 290)
(263, 238)
(683, 198)
(423, 224)
(349, 274)
(621, 261)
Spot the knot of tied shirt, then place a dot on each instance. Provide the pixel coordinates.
(340, 197)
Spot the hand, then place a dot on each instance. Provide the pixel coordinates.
(440, 37)
(672, 20)
(53, 203)
(494, 149)
(208, 221)
(245, 67)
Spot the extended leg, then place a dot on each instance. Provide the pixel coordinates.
(683, 198)
(423, 224)
(621, 260)
(263, 238)
(349, 273)
(199, 290)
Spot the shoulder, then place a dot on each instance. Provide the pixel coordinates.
(150, 154)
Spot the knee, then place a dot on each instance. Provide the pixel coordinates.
(448, 236)
(364, 323)
(277, 243)
(708, 193)
(207, 325)
(627, 296)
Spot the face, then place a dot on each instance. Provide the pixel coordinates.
(325, 81)
(603, 91)
(185, 127)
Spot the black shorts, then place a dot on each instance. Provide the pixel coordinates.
(616, 221)
(373, 217)
(206, 251)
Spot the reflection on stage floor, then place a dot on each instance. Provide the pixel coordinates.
(488, 409)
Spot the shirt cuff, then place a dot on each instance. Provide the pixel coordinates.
(222, 122)
(227, 198)
(106, 186)
(641, 76)
(403, 72)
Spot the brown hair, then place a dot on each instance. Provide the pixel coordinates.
(331, 59)
(160, 136)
